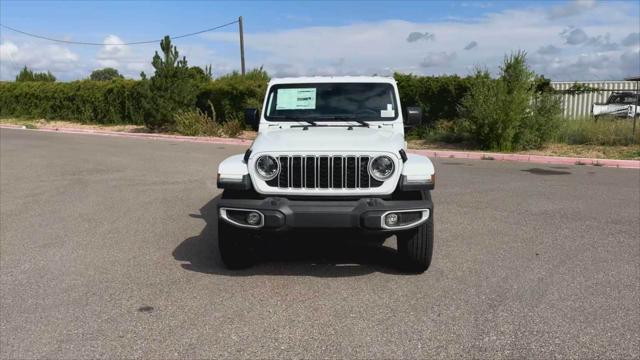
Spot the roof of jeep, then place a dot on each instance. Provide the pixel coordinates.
(332, 79)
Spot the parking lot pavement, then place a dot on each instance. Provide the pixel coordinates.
(108, 249)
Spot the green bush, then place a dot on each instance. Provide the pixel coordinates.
(604, 132)
(438, 96)
(85, 101)
(448, 131)
(232, 128)
(195, 122)
(508, 113)
(231, 94)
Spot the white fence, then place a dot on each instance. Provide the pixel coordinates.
(579, 105)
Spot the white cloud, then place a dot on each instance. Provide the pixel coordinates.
(129, 60)
(438, 59)
(8, 51)
(54, 58)
(382, 47)
(602, 43)
(633, 39)
(574, 36)
(630, 63)
(572, 8)
(113, 52)
(549, 50)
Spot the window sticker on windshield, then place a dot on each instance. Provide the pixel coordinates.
(296, 99)
(389, 112)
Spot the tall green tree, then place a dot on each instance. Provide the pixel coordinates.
(511, 112)
(105, 74)
(27, 74)
(174, 86)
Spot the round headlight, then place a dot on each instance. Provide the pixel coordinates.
(267, 167)
(381, 168)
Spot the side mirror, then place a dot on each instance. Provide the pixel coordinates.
(251, 118)
(414, 116)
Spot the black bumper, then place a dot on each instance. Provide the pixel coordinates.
(282, 214)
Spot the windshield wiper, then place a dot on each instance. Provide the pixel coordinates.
(293, 118)
(344, 117)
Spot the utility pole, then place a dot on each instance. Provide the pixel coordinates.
(241, 44)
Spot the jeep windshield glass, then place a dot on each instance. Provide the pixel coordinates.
(327, 102)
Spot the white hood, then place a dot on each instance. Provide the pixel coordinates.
(332, 139)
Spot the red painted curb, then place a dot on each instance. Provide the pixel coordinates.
(471, 155)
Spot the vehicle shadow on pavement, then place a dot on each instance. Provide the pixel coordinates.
(309, 254)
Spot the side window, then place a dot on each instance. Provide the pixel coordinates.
(615, 99)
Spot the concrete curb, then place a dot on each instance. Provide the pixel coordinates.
(470, 155)
(199, 139)
(538, 159)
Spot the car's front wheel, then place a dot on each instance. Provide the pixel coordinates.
(415, 246)
(235, 246)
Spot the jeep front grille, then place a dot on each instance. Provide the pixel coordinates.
(324, 172)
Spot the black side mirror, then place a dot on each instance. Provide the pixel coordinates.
(251, 118)
(414, 116)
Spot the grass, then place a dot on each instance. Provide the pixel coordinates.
(605, 139)
(626, 152)
(606, 132)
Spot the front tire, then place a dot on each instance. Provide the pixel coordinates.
(235, 246)
(415, 246)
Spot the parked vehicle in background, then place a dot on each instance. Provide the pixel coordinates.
(619, 104)
(330, 155)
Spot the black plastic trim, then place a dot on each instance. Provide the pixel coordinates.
(403, 155)
(244, 184)
(247, 154)
(403, 186)
(283, 214)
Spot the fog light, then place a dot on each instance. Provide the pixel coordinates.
(391, 219)
(253, 218)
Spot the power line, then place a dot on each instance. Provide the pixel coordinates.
(129, 43)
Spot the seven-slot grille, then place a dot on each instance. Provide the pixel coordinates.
(324, 172)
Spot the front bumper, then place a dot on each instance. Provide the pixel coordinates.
(366, 214)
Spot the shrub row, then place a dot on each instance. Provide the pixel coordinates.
(438, 96)
(86, 101)
(120, 101)
(125, 101)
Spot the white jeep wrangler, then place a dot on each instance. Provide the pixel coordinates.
(330, 154)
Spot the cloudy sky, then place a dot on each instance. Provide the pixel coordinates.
(565, 40)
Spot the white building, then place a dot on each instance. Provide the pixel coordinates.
(579, 105)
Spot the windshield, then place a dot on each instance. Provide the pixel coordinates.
(623, 99)
(332, 101)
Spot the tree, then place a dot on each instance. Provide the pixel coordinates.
(27, 74)
(174, 86)
(105, 74)
(511, 112)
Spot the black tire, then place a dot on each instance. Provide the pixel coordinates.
(235, 246)
(415, 246)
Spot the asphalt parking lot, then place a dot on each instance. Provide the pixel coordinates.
(108, 249)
